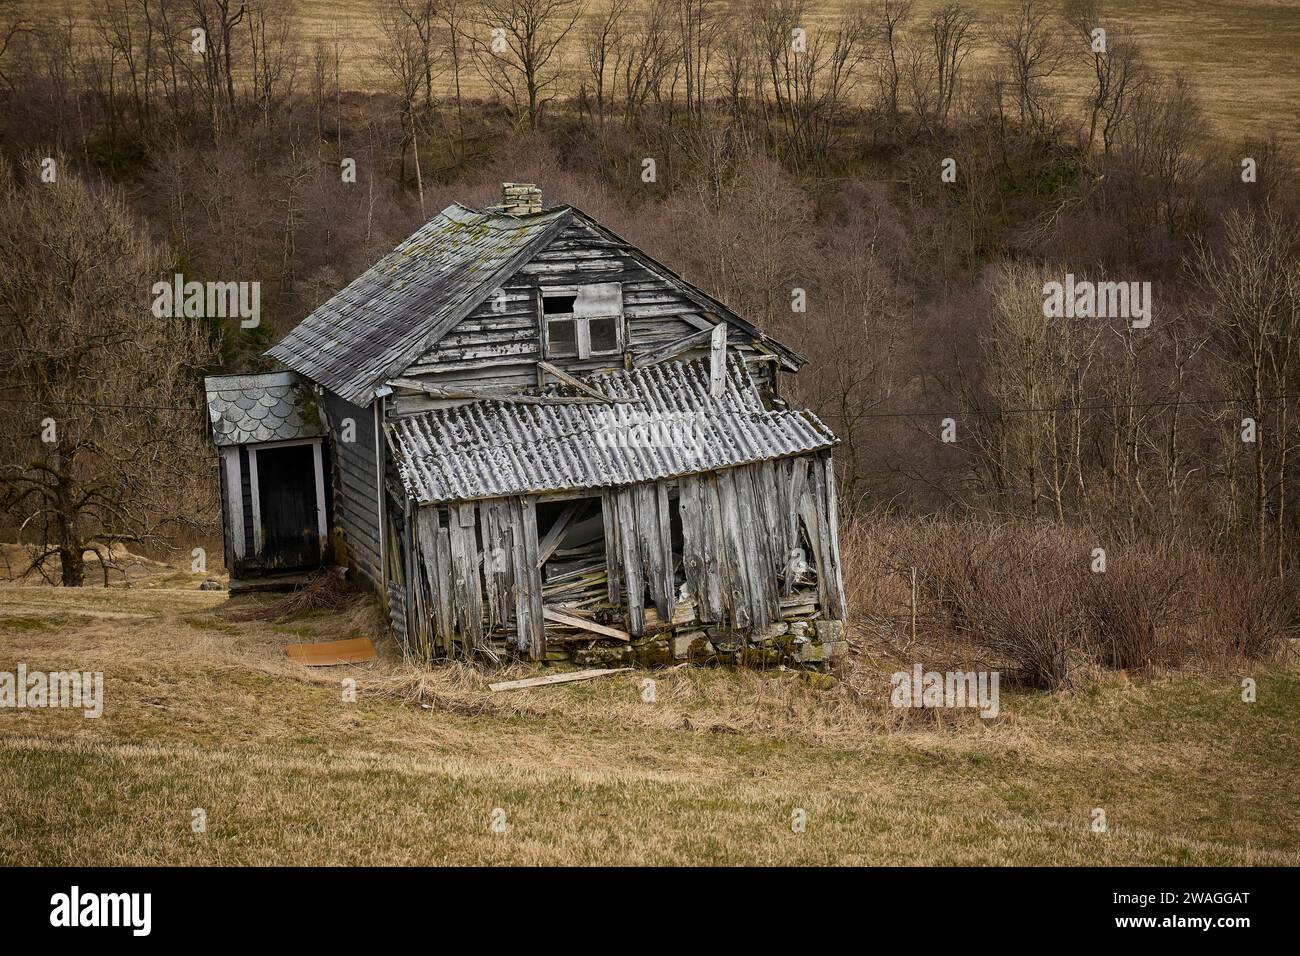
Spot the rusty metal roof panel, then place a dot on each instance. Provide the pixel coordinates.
(252, 409)
(373, 327)
(669, 426)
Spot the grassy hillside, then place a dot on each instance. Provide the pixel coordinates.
(203, 712)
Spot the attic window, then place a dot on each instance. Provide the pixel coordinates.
(584, 321)
(558, 304)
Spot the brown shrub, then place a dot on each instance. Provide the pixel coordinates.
(1021, 595)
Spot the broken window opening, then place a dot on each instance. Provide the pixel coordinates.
(583, 321)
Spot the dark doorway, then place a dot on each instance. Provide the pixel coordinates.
(286, 484)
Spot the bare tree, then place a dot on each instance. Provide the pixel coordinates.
(1032, 52)
(893, 16)
(1116, 64)
(451, 15)
(812, 71)
(952, 35)
(404, 57)
(103, 436)
(604, 46)
(517, 46)
(1250, 301)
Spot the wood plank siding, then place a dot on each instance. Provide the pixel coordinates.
(356, 507)
(498, 345)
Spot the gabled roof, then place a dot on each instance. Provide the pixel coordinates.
(711, 307)
(670, 425)
(250, 409)
(395, 310)
(412, 297)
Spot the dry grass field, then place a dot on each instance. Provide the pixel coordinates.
(1242, 56)
(204, 712)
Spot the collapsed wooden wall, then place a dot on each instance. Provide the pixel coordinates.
(752, 539)
(479, 565)
(746, 532)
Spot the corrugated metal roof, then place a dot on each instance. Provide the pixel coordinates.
(248, 409)
(412, 296)
(672, 426)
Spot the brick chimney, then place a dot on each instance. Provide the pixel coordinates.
(520, 199)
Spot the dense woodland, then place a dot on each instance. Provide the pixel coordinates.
(799, 160)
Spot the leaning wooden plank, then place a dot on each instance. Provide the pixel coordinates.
(767, 589)
(613, 560)
(810, 510)
(552, 540)
(437, 571)
(665, 542)
(736, 587)
(491, 573)
(447, 592)
(839, 608)
(583, 624)
(533, 583)
(582, 386)
(466, 567)
(328, 653)
(695, 551)
(633, 571)
(524, 622)
(718, 361)
(649, 538)
(556, 678)
(674, 348)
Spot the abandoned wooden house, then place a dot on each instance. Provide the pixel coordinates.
(540, 442)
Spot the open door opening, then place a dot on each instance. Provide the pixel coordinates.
(289, 509)
(571, 550)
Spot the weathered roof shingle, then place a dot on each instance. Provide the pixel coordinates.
(412, 296)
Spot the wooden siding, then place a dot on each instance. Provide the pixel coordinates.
(499, 344)
(753, 540)
(356, 510)
(480, 575)
(747, 532)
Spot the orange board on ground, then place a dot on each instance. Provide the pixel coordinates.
(354, 651)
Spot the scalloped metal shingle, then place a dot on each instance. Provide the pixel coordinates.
(252, 409)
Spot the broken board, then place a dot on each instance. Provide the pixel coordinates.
(328, 653)
(556, 678)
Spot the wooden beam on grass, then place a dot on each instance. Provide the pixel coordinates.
(556, 678)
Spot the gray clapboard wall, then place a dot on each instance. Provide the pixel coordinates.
(356, 509)
(499, 343)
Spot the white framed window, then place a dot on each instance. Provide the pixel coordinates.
(582, 321)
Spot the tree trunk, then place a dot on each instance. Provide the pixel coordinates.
(73, 566)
